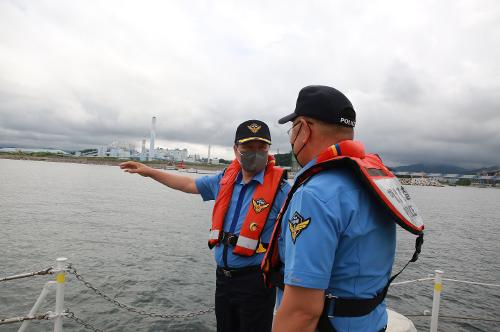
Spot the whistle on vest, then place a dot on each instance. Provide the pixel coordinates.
(260, 249)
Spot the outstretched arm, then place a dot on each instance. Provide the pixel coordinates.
(177, 182)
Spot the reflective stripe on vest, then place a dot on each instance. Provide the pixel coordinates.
(214, 234)
(260, 207)
(247, 243)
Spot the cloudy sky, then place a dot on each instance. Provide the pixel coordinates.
(424, 76)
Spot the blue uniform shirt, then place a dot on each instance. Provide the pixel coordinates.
(336, 237)
(209, 186)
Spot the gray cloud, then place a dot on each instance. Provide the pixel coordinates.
(401, 85)
(423, 76)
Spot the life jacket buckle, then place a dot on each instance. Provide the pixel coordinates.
(330, 304)
(229, 239)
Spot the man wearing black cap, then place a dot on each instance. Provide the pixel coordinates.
(248, 196)
(333, 240)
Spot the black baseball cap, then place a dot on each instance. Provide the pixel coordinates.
(252, 130)
(323, 103)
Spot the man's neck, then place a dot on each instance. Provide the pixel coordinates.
(319, 146)
(247, 176)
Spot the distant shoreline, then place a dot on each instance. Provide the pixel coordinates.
(109, 161)
(105, 161)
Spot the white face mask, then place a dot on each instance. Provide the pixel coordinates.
(253, 161)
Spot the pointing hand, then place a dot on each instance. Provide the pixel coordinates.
(135, 167)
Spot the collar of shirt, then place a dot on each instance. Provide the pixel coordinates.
(305, 168)
(259, 177)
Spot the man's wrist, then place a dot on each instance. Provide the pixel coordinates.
(151, 172)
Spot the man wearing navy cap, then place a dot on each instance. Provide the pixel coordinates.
(332, 241)
(248, 196)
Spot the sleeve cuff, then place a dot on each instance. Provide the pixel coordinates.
(306, 280)
(205, 195)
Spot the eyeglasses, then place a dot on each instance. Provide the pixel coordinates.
(289, 131)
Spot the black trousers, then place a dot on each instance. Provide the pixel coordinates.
(243, 303)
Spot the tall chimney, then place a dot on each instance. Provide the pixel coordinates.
(143, 150)
(208, 159)
(152, 139)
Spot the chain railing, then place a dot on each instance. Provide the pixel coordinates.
(71, 315)
(141, 312)
(61, 269)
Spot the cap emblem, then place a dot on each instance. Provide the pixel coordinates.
(254, 128)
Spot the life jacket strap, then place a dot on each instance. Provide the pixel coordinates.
(232, 239)
(343, 307)
(324, 324)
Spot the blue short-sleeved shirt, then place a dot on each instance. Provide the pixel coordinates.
(209, 186)
(336, 237)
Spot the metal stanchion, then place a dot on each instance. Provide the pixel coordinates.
(60, 279)
(436, 299)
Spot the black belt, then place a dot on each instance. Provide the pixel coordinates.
(231, 273)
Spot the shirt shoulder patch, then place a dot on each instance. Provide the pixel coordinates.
(297, 224)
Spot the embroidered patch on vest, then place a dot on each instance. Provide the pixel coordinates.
(259, 205)
(297, 224)
(254, 128)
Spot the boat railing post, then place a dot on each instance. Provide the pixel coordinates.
(38, 303)
(436, 299)
(60, 279)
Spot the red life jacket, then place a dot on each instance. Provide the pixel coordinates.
(376, 177)
(262, 201)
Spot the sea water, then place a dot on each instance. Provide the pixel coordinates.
(145, 245)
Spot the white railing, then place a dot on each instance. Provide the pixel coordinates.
(436, 299)
(57, 315)
(62, 269)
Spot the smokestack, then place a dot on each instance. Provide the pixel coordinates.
(143, 150)
(152, 139)
(208, 159)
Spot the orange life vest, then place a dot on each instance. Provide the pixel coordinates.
(260, 206)
(374, 175)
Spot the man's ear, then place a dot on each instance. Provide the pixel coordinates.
(236, 153)
(306, 132)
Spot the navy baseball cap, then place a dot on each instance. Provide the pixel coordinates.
(252, 130)
(323, 103)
